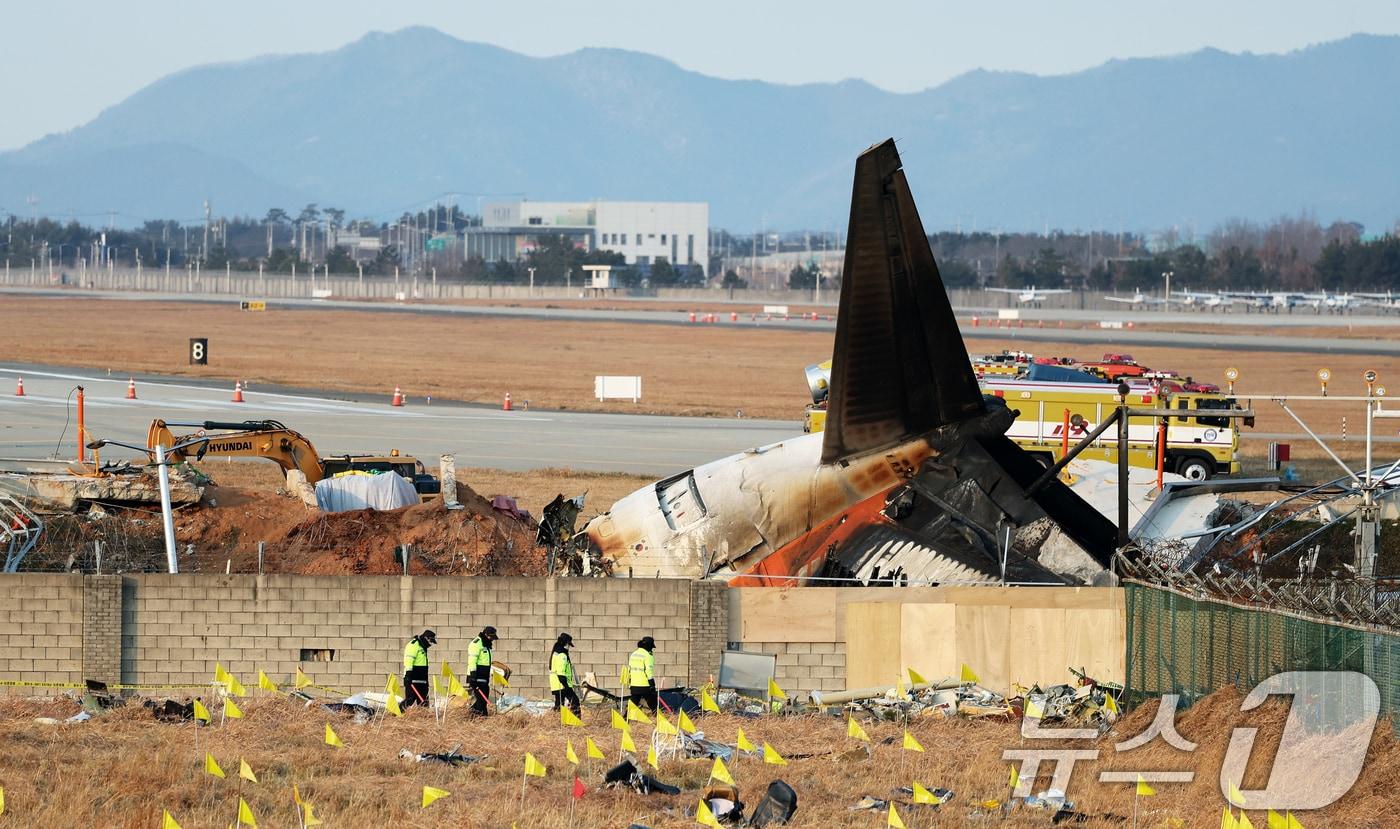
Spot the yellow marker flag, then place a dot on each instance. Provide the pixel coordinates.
(915, 678)
(1109, 703)
(431, 794)
(627, 744)
(1227, 820)
(707, 703)
(211, 766)
(1236, 797)
(772, 757)
(568, 717)
(1015, 777)
(635, 714)
(774, 691)
(331, 738)
(742, 742)
(200, 712)
(893, 819)
(922, 795)
(454, 687)
(302, 679)
(899, 689)
(853, 729)
(569, 753)
(592, 751)
(265, 683)
(533, 767)
(231, 709)
(1290, 821)
(296, 795)
(686, 725)
(391, 687)
(168, 822)
(651, 757)
(500, 679)
(392, 703)
(447, 670)
(704, 816)
(2, 800)
(236, 688)
(245, 814)
(1274, 820)
(245, 771)
(619, 723)
(664, 725)
(308, 817)
(719, 771)
(1033, 711)
(1243, 821)
(221, 676)
(911, 744)
(437, 689)
(968, 675)
(1144, 790)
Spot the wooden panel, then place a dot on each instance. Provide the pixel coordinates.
(1036, 646)
(928, 641)
(1096, 640)
(872, 652)
(981, 636)
(1033, 597)
(778, 614)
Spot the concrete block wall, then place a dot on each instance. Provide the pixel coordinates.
(41, 629)
(803, 667)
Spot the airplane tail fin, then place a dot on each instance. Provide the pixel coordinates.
(899, 368)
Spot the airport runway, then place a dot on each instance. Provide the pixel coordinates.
(30, 426)
(1272, 328)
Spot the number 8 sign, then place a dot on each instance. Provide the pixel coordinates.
(199, 351)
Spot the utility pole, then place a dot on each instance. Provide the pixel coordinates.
(204, 251)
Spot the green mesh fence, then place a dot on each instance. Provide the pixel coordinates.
(1193, 646)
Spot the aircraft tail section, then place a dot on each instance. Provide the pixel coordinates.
(900, 368)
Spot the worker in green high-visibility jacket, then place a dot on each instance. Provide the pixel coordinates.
(415, 668)
(641, 673)
(479, 663)
(561, 675)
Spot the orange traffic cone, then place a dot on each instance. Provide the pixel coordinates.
(398, 397)
(19, 388)
(505, 405)
(131, 389)
(238, 392)
(733, 316)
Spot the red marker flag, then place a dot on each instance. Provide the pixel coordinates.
(579, 789)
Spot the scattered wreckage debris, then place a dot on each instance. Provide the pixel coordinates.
(451, 757)
(626, 774)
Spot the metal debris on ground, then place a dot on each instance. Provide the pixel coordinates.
(626, 774)
(777, 807)
(451, 757)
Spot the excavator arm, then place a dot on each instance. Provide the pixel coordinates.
(248, 439)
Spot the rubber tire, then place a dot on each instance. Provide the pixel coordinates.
(1195, 468)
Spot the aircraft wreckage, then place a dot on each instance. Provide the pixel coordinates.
(913, 477)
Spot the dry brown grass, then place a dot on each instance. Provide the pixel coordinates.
(123, 768)
(704, 370)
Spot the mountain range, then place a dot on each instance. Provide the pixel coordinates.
(393, 121)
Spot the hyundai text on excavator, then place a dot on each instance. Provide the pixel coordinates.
(287, 448)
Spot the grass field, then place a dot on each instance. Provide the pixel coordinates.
(123, 769)
(714, 370)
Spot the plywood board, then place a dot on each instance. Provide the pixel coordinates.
(1036, 646)
(928, 641)
(797, 614)
(1096, 640)
(1032, 597)
(981, 638)
(872, 637)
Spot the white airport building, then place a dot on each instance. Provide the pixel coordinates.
(641, 231)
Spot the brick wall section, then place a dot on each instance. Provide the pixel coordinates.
(41, 629)
(709, 629)
(804, 667)
(102, 628)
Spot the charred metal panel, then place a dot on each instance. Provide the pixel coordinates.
(900, 368)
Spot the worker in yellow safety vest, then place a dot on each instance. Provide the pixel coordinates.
(641, 673)
(479, 663)
(415, 668)
(561, 674)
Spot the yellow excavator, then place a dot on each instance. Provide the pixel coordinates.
(287, 448)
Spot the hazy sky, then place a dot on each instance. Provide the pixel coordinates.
(64, 61)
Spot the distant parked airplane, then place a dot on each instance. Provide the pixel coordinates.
(1138, 298)
(1031, 295)
(1200, 299)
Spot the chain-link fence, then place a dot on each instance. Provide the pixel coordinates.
(1193, 643)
